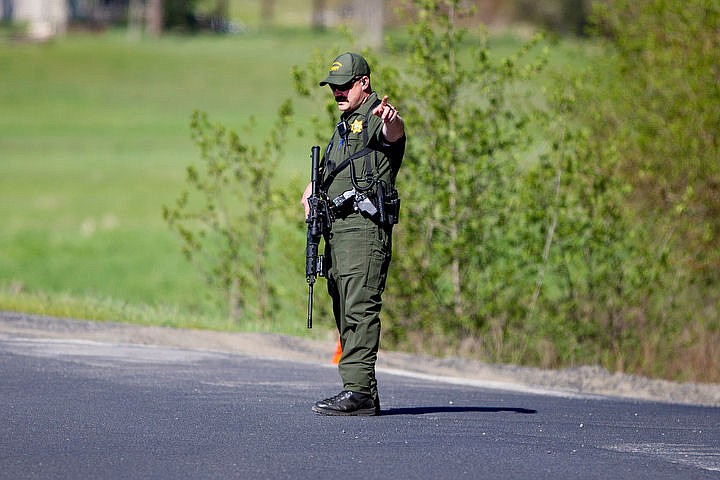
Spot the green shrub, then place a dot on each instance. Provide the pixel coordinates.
(225, 217)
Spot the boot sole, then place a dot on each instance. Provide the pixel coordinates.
(362, 412)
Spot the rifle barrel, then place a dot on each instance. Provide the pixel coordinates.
(310, 305)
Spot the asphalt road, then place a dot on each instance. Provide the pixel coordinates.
(74, 409)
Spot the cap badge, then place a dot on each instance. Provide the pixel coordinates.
(336, 66)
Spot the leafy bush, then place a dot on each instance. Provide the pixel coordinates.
(654, 99)
(662, 106)
(503, 253)
(227, 215)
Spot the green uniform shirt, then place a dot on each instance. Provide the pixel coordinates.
(384, 159)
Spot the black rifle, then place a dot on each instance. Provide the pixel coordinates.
(318, 222)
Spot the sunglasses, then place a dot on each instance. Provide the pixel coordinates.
(345, 86)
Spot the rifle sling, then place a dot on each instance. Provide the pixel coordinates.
(366, 151)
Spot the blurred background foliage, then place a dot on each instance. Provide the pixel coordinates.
(561, 193)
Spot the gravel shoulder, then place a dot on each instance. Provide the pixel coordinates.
(573, 381)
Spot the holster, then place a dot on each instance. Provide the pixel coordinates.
(382, 206)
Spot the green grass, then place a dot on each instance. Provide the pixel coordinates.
(94, 140)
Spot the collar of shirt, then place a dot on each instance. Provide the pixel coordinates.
(362, 109)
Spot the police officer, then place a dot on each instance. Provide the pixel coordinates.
(359, 168)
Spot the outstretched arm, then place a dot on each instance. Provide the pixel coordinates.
(393, 125)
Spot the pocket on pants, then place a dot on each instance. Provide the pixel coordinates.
(377, 268)
(363, 253)
(379, 253)
(349, 249)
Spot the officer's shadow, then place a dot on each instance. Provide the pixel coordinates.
(454, 409)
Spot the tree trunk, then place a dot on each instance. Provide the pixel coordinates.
(136, 19)
(369, 18)
(318, 15)
(154, 17)
(575, 16)
(454, 235)
(267, 12)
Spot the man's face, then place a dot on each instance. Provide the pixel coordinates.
(350, 95)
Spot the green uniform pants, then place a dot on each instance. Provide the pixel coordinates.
(359, 257)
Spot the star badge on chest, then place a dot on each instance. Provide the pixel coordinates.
(356, 126)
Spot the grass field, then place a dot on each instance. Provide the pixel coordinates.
(94, 139)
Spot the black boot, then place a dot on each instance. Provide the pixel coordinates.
(347, 403)
(377, 405)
